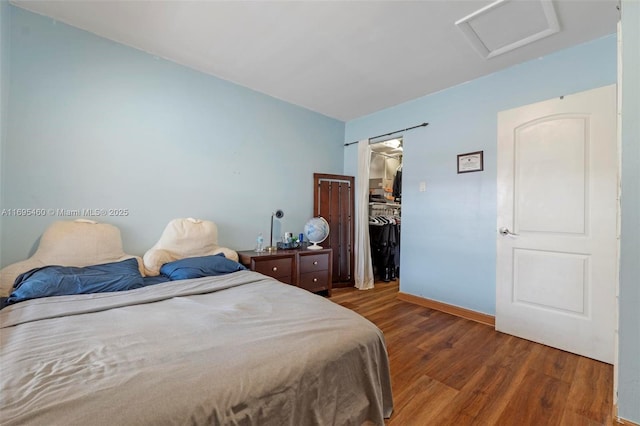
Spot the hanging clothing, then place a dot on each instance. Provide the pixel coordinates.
(384, 237)
(397, 185)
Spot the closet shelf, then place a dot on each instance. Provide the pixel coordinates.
(380, 203)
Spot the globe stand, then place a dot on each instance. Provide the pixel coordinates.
(314, 246)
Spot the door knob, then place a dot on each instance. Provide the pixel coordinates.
(505, 231)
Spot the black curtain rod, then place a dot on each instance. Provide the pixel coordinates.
(391, 133)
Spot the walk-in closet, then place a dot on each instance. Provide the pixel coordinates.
(385, 206)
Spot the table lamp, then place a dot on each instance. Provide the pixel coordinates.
(279, 214)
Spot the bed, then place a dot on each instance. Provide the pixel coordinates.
(238, 348)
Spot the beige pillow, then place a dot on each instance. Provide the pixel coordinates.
(184, 238)
(70, 243)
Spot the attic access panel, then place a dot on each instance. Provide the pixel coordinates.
(506, 25)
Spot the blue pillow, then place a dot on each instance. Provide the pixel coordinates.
(197, 267)
(65, 280)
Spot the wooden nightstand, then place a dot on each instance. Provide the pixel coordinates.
(308, 269)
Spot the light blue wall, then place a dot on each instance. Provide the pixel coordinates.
(448, 242)
(95, 124)
(5, 25)
(629, 299)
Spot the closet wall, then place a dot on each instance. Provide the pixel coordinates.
(382, 173)
(385, 209)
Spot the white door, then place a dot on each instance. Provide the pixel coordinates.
(557, 222)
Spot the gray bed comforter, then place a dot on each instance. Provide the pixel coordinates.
(241, 349)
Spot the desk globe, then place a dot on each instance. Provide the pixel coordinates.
(316, 230)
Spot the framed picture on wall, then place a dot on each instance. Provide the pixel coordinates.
(470, 162)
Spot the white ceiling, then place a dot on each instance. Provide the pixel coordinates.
(344, 59)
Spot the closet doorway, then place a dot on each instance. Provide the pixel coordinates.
(385, 206)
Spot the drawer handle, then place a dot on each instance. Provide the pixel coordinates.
(315, 262)
(275, 268)
(315, 280)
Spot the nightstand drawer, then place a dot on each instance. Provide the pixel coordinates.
(279, 269)
(314, 262)
(314, 281)
(306, 269)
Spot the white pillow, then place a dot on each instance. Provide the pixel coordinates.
(184, 238)
(70, 243)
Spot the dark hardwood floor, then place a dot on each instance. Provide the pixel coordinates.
(450, 371)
